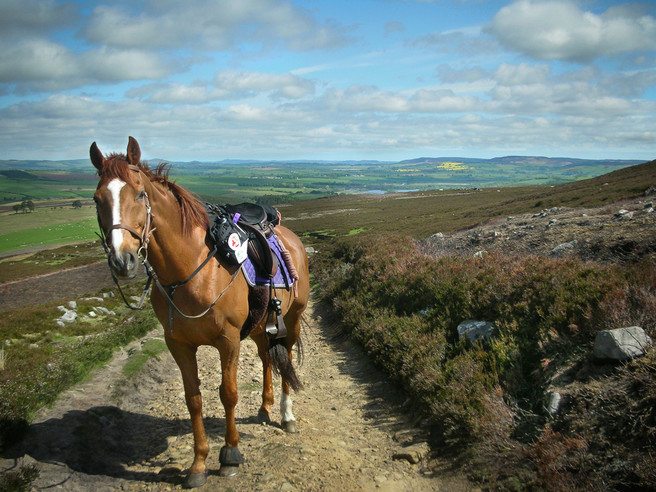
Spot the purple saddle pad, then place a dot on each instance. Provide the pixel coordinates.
(281, 279)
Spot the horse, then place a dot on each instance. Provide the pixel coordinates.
(145, 217)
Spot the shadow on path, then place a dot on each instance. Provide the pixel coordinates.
(106, 440)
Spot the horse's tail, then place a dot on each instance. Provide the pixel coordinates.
(282, 363)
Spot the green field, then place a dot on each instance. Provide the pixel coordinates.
(46, 227)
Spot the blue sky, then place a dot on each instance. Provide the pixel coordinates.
(328, 79)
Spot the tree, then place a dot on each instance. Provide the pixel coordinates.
(77, 204)
(30, 205)
(18, 207)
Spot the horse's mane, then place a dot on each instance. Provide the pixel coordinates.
(192, 211)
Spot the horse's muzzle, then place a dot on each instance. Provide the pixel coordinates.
(124, 264)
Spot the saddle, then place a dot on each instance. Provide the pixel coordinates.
(240, 231)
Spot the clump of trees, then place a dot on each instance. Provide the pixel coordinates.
(24, 206)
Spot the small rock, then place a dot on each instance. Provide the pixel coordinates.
(650, 191)
(103, 311)
(310, 250)
(33, 345)
(564, 247)
(553, 402)
(437, 235)
(480, 254)
(621, 343)
(380, 478)
(60, 323)
(475, 330)
(648, 205)
(68, 317)
(621, 213)
(92, 314)
(135, 298)
(287, 487)
(412, 454)
(552, 223)
(93, 299)
(72, 304)
(63, 309)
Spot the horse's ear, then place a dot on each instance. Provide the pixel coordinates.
(134, 152)
(96, 156)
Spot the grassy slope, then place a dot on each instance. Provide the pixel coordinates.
(46, 226)
(425, 213)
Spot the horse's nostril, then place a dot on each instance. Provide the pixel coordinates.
(130, 261)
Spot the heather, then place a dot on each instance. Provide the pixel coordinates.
(485, 402)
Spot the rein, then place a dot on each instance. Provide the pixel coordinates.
(166, 290)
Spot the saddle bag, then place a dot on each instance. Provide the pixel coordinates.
(230, 239)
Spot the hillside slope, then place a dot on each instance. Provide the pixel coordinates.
(424, 213)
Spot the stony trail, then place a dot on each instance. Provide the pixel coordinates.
(110, 433)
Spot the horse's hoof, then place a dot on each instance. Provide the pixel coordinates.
(289, 427)
(228, 470)
(194, 480)
(263, 417)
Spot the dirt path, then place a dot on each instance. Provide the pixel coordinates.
(110, 434)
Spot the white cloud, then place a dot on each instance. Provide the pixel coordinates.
(211, 25)
(508, 74)
(284, 86)
(560, 30)
(38, 64)
(227, 85)
(66, 125)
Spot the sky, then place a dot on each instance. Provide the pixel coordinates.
(328, 79)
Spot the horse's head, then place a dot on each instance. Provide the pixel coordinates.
(123, 207)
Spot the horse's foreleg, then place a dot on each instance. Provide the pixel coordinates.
(264, 414)
(185, 357)
(230, 457)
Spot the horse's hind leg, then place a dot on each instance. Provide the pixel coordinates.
(264, 414)
(287, 419)
(185, 357)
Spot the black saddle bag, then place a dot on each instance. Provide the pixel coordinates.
(230, 239)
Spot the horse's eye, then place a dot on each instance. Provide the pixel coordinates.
(141, 195)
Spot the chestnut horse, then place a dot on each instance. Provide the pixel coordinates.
(145, 217)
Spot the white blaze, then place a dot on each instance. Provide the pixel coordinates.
(286, 408)
(114, 187)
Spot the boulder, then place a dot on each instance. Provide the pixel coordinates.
(475, 330)
(72, 304)
(621, 343)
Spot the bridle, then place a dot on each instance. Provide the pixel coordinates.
(142, 253)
